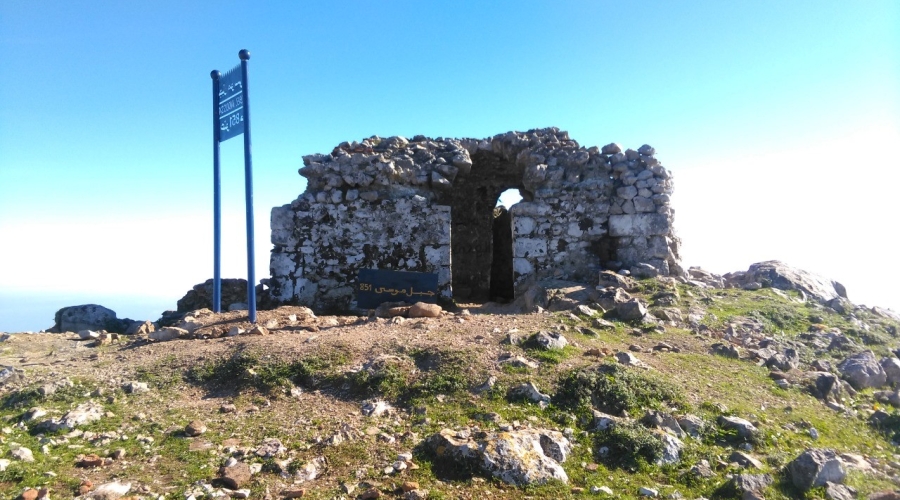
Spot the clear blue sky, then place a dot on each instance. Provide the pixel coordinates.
(780, 121)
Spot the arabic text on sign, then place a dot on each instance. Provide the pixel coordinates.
(231, 104)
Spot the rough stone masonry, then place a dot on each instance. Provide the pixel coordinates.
(428, 205)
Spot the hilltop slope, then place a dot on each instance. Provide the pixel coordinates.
(350, 407)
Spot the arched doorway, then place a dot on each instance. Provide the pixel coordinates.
(481, 235)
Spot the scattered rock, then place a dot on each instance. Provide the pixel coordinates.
(135, 387)
(749, 484)
(486, 386)
(692, 424)
(88, 335)
(90, 461)
(392, 309)
(424, 310)
(516, 361)
(138, 328)
(168, 333)
(376, 408)
(828, 386)
(702, 469)
(663, 421)
(891, 367)
(84, 413)
(648, 492)
(863, 370)
(839, 492)
(628, 359)
(672, 447)
(110, 491)
(613, 279)
(745, 460)
(370, 494)
(603, 421)
(744, 428)
(726, 349)
(518, 457)
(785, 361)
(271, 448)
(815, 467)
(417, 494)
(584, 310)
(885, 495)
(29, 494)
(194, 429)
(779, 275)
(550, 340)
(22, 454)
(258, 330)
(631, 310)
(602, 324)
(530, 392)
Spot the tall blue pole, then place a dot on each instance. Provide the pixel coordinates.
(217, 200)
(248, 185)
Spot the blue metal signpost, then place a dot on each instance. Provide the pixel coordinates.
(231, 117)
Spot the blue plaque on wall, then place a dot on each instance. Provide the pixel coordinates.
(378, 285)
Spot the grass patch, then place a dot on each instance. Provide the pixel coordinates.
(267, 374)
(551, 356)
(614, 388)
(427, 372)
(628, 445)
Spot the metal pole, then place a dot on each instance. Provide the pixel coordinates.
(217, 200)
(248, 185)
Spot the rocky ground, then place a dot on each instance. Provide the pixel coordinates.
(651, 388)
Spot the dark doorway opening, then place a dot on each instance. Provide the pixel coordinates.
(481, 244)
(502, 289)
(606, 249)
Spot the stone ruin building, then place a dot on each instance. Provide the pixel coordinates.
(428, 205)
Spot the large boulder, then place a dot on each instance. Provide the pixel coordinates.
(744, 428)
(519, 457)
(83, 414)
(234, 291)
(815, 467)
(863, 370)
(777, 274)
(632, 310)
(751, 485)
(891, 367)
(87, 317)
(550, 340)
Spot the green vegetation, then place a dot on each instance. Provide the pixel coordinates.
(424, 373)
(265, 373)
(614, 388)
(628, 445)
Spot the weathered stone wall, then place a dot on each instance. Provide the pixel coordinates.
(427, 205)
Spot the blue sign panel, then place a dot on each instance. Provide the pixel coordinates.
(231, 104)
(377, 286)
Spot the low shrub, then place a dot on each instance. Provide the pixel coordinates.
(614, 388)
